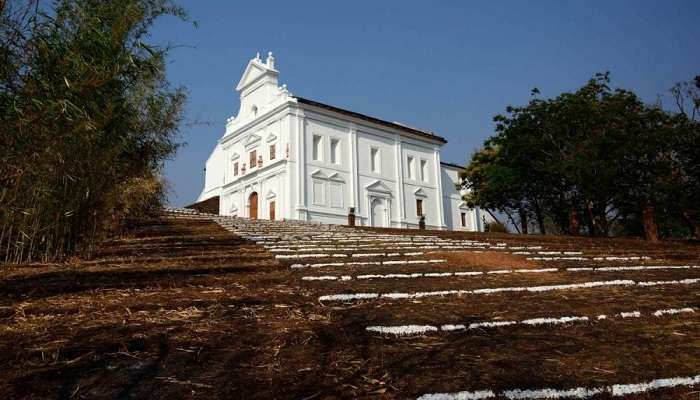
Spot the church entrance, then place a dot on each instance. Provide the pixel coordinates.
(253, 203)
(378, 213)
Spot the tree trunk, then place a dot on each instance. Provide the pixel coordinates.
(693, 228)
(512, 221)
(590, 220)
(574, 226)
(494, 218)
(650, 229)
(540, 217)
(603, 223)
(522, 214)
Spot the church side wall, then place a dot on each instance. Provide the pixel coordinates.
(213, 174)
(378, 183)
(369, 172)
(419, 177)
(455, 205)
(328, 170)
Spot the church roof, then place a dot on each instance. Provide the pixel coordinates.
(402, 127)
(456, 166)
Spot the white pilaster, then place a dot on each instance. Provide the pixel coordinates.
(291, 200)
(354, 171)
(398, 162)
(301, 207)
(438, 182)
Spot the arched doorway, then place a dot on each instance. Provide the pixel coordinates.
(253, 203)
(378, 212)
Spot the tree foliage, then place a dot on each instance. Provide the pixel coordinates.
(86, 117)
(597, 161)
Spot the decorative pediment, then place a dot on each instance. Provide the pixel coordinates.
(270, 195)
(463, 206)
(336, 177)
(378, 187)
(251, 140)
(235, 156)
(318, 174)
(271, 137)
(254, 71)
(420, 193)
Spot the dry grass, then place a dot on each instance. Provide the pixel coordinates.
(155, 317)
(485, 260)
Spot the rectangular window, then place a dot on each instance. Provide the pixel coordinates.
(423, 170)
(336, 194)
(463, 216)
(335, 151)
(318, 193)
(374, 159)
(273, 152)
(253, 158)
(235, 169)
(317, 150)
(410, 167)
(419, 207)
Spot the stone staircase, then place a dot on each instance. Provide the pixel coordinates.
(314, 244)
(299, 241)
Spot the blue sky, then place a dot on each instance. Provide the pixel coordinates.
(448, 66)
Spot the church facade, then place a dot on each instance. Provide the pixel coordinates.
(287, 157)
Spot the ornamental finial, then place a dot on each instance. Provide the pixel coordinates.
(270, 60)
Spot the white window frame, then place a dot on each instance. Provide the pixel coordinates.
(375, 163)
(317, 150)
(322, 192)
(335, 152)
(410, 161)
(423, 170)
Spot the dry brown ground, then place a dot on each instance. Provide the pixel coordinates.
(486, 260)
(183, 309)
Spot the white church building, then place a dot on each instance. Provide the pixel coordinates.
(287, 157)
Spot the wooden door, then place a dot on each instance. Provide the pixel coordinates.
(253, 202)
(272, 210)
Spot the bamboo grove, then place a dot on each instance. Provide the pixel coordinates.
(597, 161)
(87, 119)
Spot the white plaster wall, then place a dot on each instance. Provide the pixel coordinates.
(259, 96)
(213, 175)
(327, 189)
(386, 175)
(454, 205)
(265, 180)
(417, 188)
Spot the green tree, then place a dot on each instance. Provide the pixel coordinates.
(86, 115)
(686, 143)
(593, 161)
